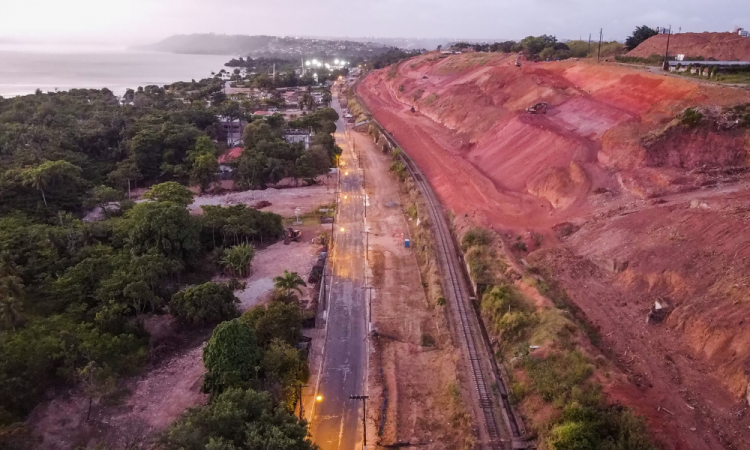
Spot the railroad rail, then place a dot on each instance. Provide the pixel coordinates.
(467, 323)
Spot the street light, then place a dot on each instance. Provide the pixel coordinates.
(364, 416)
(319, 398)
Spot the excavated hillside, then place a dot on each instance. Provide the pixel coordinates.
(720, 46)
(632, 206)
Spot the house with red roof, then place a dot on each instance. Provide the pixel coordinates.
(225, 170)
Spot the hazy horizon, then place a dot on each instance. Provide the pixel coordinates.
(136, 22)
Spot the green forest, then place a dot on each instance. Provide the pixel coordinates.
(74, 293)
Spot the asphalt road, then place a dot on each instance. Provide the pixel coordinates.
(336, 420)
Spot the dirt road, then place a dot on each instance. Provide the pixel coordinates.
(416, 395)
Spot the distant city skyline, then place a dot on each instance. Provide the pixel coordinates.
(129, 22)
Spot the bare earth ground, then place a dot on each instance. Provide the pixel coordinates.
(666, 222)
(171, 382)
(284, 201)
(416, 375)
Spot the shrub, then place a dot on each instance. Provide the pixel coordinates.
(207, 303)
(236, 260)
(691, 117)
(399, 169)
(509, 316)
(476, 237)
(428, 341)
(556, 376)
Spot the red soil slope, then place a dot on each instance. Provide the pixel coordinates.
(661, 212)
(721, 46)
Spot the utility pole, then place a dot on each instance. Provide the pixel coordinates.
(589, 52)
(601, 34)
(333, 222)
(364, 417)
(299, 397)
(369, 303)
(666, 54)
(367, 245)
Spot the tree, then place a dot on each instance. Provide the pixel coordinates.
(236, 260)
(97, 382)
(276, 321)
(237, 419)
(327, 98)
(167, 228)
(289, 282)
(170, 191)
(206, 303)
(125, 172)
(284, 368)
(205, 171)
(231, 357)
(639, 35)
(102, 196)
(49, 173)
(11, 304)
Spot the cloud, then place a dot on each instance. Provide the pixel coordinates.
(129, 21)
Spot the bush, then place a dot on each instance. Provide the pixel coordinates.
(476, 237)
(509, 316)
(556, 376)
(207, 303)
(237, 260)
(398, 168)
(691, 117)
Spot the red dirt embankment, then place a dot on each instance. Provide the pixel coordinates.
(660, 212)
(721, 46)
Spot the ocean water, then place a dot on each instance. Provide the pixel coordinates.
(26, 68)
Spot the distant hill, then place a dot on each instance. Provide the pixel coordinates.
(721, 46)
(268, 46)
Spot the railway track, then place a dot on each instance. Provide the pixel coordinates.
(467, 323)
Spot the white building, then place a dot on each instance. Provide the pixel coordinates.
(298, 136)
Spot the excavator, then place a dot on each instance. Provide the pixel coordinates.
(539, 108)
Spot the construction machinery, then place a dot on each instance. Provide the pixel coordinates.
(290, 235)
(539, 108)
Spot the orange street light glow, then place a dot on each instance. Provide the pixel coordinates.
(319, 398)
(342, 228)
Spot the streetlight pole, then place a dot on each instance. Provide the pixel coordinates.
(364, 417)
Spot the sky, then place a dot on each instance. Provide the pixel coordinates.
(127, 22)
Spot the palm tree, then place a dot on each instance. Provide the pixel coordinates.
(236, 260)
(41, 176)
(37, 179)
(11, 305)
(289, 282)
